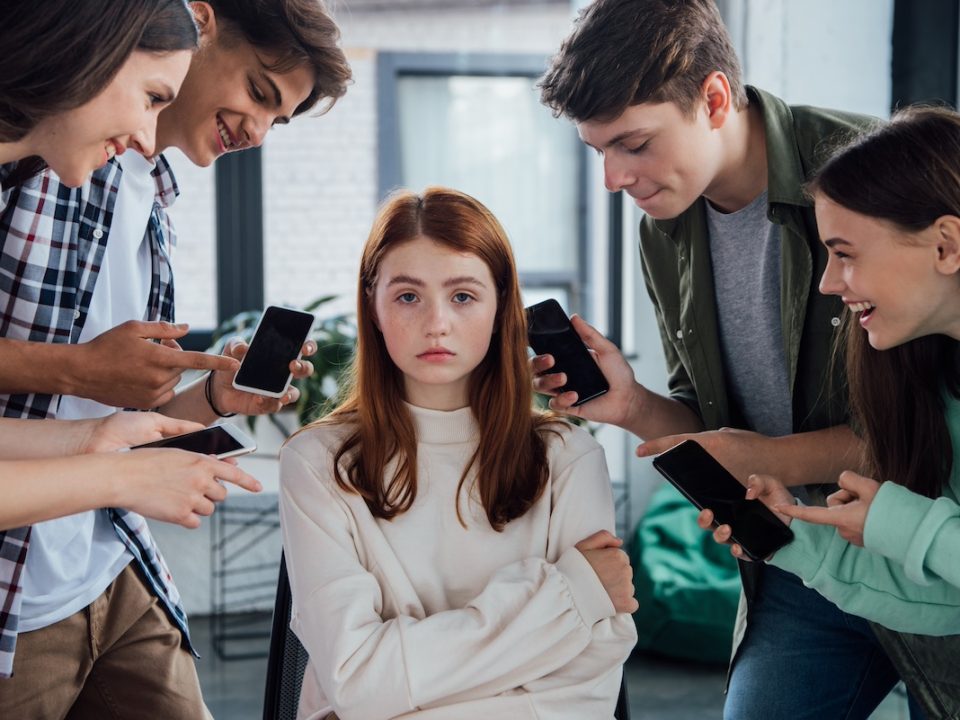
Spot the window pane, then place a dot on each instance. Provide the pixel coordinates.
(491, 138)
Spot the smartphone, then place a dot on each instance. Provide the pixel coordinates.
(549, 332)
(277, 340)
(223, 441)
(707, 484)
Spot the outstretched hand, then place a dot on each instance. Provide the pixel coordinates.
(768, 490)
(124, 367)
(846, 509)
(736, 450)
(123, 429)
(228, 399)
(175, 486)
(623, 397)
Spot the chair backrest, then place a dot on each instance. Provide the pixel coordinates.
(287, 662)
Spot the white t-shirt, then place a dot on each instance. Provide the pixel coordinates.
(73, 559)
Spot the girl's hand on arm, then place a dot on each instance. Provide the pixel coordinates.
(846, 509)
(612, 566)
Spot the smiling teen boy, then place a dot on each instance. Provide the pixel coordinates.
(731, 258)
(261, 62)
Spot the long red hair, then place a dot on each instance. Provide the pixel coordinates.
(510, 458)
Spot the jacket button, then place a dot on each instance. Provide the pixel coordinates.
(835, 321)
(679, 334)
(98, 233)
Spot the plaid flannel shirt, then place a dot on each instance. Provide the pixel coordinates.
(52, 240)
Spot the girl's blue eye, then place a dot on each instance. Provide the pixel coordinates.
(462, 297)
(408, 297)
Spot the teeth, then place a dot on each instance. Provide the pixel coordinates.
(111, 150)
(224, 135)
(861, 306)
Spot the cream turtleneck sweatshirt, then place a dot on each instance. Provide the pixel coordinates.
(422, 618)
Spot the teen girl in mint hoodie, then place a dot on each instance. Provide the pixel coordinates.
(888, 208)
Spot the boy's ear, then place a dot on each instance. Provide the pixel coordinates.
(716, 92)
(948, 244)
(206, 20)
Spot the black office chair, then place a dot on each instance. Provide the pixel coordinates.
(288, 661)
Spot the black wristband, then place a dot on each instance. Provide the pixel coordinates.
(208, 394)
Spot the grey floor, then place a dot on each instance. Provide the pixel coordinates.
(659, 689)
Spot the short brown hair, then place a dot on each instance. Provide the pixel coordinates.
(627, 52)
(298, 32)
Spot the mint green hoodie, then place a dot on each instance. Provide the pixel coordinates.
(907, 577)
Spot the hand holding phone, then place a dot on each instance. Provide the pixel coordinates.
(277, 341)
(549, 332)
(221, 441)
(708, 485)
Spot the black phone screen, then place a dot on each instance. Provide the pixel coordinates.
(549, 332)
(276, 342)
(209, 441)
(707, 484)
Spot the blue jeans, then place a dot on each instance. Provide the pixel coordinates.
(803, 658)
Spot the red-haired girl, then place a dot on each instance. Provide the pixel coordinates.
(450, 549)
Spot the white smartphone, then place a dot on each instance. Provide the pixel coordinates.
(222, 441)
(277, 340)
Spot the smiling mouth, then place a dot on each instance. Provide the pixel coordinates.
(864, 308)
(226, 139)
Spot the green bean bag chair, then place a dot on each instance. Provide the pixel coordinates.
(687, 585)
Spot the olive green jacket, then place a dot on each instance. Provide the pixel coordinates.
(675, 256)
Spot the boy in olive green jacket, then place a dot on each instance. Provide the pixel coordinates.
(731, 259)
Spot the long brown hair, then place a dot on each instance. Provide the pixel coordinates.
(298, 32)
(510, 458)
(906, 173)
(627, 52)
(60, 54)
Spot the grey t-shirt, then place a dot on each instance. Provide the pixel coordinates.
(745, 250)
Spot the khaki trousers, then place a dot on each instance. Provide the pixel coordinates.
(119, 657)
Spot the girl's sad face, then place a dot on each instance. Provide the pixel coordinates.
(436, 309)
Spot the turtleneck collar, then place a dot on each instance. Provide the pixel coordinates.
(444, 427)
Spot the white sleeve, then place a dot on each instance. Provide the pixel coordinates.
(532, 618)
(582, 504)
